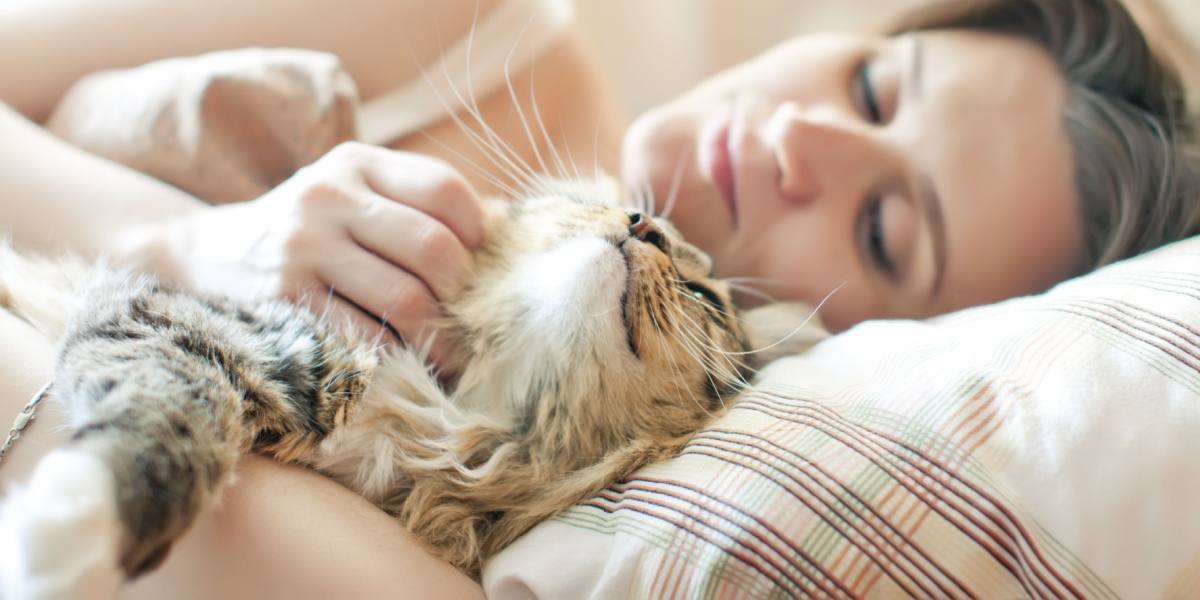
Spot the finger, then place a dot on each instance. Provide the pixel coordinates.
(416, 243)
(343, 313)
(371, 328)
(430, 186)
(389, 294)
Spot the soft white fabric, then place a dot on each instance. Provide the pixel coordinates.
(506, 40)
(1043, 447)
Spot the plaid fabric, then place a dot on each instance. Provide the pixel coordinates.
(1045, 447)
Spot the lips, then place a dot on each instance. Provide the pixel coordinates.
(719, 163)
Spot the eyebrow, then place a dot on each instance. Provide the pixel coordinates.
(931, 202)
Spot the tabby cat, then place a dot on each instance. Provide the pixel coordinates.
(590, 340)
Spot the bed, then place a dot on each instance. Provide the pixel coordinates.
(1047, 446)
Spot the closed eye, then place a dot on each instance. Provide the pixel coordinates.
(874, 242)
(865, 91)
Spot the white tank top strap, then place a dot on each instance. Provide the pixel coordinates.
(515, 33)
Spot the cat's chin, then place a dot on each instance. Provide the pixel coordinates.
(574, 286)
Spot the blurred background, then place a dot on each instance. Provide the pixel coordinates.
(690, 39)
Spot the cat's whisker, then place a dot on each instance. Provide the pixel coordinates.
(634, 198)
(695, 336)
(494, 153)
(749, 291)
(562, 134)
(605, 312)
(676, 180)
(648, 195)
(802, 324)
(541, 123)
(516, 102)
(484, 146)
(528, 170)
(489, 143)
(640, 202)
(688, 339)
(675, 369)
(595, 151)
(746, 283)
(474, 166)
(731, 365)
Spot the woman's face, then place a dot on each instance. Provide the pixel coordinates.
(914, 175)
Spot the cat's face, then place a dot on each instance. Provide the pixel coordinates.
(587, 320)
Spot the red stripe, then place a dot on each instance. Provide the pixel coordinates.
(843, 489)
(1010, 543)
(1189, 334)
(747, 558)
(925, 494)
(1132, 330)
(635, 485)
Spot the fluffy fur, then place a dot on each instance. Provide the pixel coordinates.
(590, 340)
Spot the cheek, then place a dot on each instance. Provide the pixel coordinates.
(654, 141)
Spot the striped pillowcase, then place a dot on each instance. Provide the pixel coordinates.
(1038, 448)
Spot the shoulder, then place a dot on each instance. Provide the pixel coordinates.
(569, 107)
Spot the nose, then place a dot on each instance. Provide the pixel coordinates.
(818, 151)
(643, 228)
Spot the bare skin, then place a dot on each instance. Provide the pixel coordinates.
(822, 163)
(255, 539)
(252, 547)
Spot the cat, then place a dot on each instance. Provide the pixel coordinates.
(589, 340)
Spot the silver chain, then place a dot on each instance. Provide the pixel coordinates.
(24, 418)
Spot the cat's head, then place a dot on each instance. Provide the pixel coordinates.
(592, 323)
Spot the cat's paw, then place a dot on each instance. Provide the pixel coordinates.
(59, 535)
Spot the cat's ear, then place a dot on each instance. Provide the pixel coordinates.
(781, 329)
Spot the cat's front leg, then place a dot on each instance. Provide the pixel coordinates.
(164, 392)
(155, 432)
(153, 443)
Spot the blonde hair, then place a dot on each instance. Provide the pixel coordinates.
(1137, 162)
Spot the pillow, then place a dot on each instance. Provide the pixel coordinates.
(1046, 446)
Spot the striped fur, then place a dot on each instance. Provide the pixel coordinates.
(585, 351)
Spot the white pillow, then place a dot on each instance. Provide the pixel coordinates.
(1045, 446)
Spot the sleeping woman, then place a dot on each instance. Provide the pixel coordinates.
(972, 154)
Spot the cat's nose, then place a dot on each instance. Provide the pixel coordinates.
(643, 228)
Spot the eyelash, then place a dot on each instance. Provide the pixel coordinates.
(876, 248)
(867, 91)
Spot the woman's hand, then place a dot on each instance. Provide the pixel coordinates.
(373, 235)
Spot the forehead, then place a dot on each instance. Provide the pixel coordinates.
(988, 130)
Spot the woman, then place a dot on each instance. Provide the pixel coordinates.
(978, 155)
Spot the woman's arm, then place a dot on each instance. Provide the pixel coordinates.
(328, 234)
(54, 197)
(285, 532)
(46, 45)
